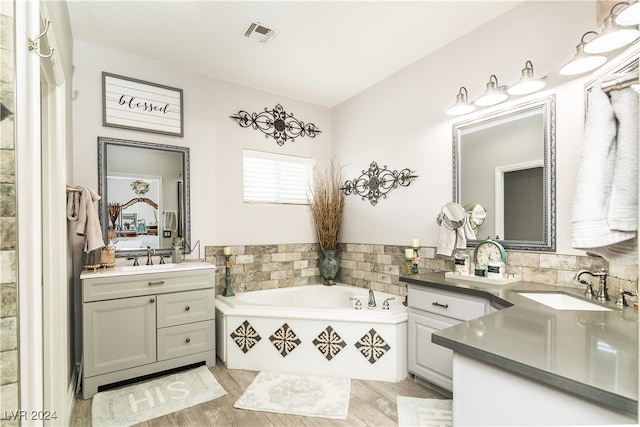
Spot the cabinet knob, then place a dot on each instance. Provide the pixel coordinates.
(187, 308)
(188, 340)
(152, 300)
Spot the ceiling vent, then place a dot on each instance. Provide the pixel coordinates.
(259, 32)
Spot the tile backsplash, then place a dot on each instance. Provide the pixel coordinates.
(257, 267)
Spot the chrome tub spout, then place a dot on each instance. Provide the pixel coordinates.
(372, 300)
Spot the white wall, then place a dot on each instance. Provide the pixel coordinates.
(218, 214)
(401, 121)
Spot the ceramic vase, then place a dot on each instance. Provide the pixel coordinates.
(329, 266)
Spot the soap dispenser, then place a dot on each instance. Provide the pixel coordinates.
(176, 254)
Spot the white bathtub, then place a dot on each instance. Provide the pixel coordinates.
(315, 330)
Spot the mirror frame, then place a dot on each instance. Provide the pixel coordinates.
(547, 105)
(103, 144)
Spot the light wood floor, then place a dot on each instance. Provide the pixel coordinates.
(372, 403)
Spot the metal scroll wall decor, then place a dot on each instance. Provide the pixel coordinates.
(376, 182)
(277, 124)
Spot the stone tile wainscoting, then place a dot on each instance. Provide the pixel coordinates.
(380, 267)
(8, 275)
(256, 267)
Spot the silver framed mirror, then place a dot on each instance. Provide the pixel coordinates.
(145, 196)
(505, 162)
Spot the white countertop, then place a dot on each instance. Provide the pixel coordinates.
(124, 270)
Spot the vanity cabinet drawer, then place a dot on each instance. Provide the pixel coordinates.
(453, 305)
(112, 287)
(181, 340)
(185, 307)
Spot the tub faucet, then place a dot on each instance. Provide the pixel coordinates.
(601, 274)
(372, 300)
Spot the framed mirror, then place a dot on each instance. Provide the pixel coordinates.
(145, 195)
(504, 161)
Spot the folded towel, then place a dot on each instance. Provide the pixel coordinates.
(171, 221)
(82, 210)
(623, 206)
(446, 240)
(590, 227)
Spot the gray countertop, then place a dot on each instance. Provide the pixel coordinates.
(593, 354)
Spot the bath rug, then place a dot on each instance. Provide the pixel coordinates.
(414, 412)
(305, 395)
(151, 399)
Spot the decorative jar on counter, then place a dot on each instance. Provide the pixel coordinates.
(461, 264)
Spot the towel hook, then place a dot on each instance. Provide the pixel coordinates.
(34, 45)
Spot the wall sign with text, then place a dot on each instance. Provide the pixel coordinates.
(135, 104)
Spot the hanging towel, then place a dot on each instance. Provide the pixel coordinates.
(446, 240)
(461, 238)
(623, 206)
(171, 221)
(625, 253)
(591, 227)
(469, 234)
(82, 210)
(595, 176)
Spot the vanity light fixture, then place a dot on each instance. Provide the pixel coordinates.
(630, 15)
(581, 63)
(527, 83)
(493, 95)
(613, 36)
(462, 105)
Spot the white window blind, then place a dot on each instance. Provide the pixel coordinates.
(276, 178)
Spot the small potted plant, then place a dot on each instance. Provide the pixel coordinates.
(326, 204)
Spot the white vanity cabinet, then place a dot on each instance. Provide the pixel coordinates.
(140, 324)
(431, 310)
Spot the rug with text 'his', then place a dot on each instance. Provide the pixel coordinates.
(417, 412)
(154, 398)
(305, 395)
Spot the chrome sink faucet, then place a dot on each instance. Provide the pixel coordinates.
(372, 300)
(601, 274)
(150, 252)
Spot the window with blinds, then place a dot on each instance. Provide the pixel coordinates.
(276, 178)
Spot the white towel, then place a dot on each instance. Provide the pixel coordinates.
(446, 240)
(595, 176)
(623, 206)
(461, 238)
(171, 221)
(82, 210)
(591, 227)
(469, 234)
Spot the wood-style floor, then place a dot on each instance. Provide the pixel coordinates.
(372, 403)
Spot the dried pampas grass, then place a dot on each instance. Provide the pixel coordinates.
(326, 204)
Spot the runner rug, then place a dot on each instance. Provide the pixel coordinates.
(151, 399)
(308, 396)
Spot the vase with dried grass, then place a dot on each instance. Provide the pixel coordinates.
(326, 205)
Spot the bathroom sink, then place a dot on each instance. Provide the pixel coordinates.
(562, 301)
